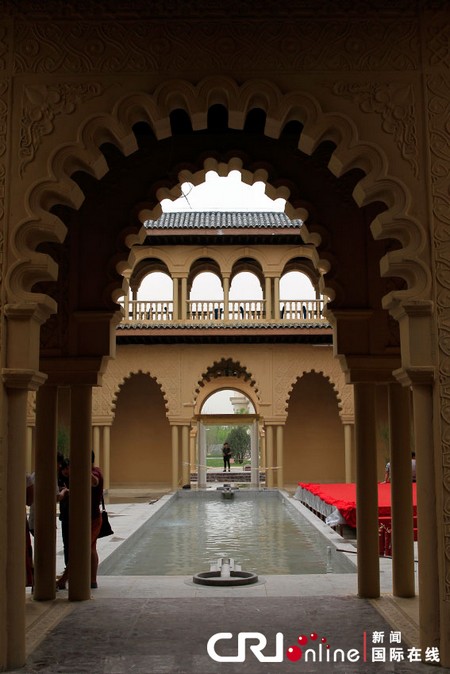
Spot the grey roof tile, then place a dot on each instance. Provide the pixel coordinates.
(223, 220)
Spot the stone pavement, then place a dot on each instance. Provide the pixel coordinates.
(162, 624)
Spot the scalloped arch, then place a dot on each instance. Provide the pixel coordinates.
(121, 382)
(280, 108)
(219, 371)
(326, 376)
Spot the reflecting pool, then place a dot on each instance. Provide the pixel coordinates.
(261, 530)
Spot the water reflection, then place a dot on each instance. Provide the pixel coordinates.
(262, 532)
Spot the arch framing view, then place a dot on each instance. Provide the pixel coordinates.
(106, 110)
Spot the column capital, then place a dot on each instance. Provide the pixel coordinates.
(23, 379)
(407, 376)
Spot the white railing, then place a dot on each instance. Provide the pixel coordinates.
(203, 311)
(150, 311)
(246, 310)
(301, 310)
(207, 311)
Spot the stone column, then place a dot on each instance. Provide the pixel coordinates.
(280, 452)
(276, 299)
(269, 454)
(106, 457)
(366, 491)
(80, 493)
(401, 492)
(175, 457)
(126, 301)
(15, 538)
(17, 384)
(348, 441)
(96, 444)
(201, 456)
(429, 610)
(186, 468)
(254, 456)
(29, 459)
(226, 297)
(45, 487)
(268, 298)
(176, 304)
(184, 298)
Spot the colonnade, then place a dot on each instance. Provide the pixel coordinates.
(83, 434)
(179, 310)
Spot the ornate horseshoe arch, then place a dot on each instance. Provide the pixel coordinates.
(31, 266)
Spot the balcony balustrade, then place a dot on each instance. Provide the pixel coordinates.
(238, 312)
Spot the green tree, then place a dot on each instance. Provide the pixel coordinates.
(239, 440)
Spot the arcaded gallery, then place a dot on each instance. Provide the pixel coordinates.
(324, 315)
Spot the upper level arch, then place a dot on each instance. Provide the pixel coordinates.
(407, 260)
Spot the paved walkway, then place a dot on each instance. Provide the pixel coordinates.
(162, 624)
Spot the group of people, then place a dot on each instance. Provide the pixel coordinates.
(63, 499)
(387, 475)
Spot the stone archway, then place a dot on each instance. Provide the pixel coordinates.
(328, 141)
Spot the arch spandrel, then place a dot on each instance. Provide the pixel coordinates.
(115, 128)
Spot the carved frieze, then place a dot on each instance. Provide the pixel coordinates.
(395, 105)
(157, 45)
(42, 104)
(438, 89)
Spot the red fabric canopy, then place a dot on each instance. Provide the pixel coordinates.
(343, 497)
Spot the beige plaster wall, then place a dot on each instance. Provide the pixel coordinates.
(140, 435)
(314, 435)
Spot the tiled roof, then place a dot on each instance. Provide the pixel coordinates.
(223, 326)
(223, 220)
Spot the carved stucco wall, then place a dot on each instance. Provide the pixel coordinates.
(437, 98)
(179, 369)
(369, 68)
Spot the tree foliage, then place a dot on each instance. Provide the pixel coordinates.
(239, 440)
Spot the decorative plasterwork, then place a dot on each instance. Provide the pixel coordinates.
(161, 45)
(42, 104)
(285, 377)
(155, 109)
(395, 104)
(439, 122)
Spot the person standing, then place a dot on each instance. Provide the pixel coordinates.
(96, 517)
(226, 452)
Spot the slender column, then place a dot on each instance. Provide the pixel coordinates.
(429, 620)
(268, 297)
(276, 299)
(29, 449)
(175, 457)
(401, 492)
(14, 610)
(201, 456)
(80, 493)
(254, 456)
(106, 457)
(126, 301)
(280, 451)
(226, 297)
(269, 451)
(366, 491)
(96, 444)
(192, 449)
(184, 298)
(262, 451)
(348, 452)
(45, 486)
(175, 293)
(186, 469)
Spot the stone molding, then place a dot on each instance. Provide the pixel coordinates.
(438, 91)
(155, 109)
(160, 45)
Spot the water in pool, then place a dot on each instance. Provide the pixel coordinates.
(260, 530)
